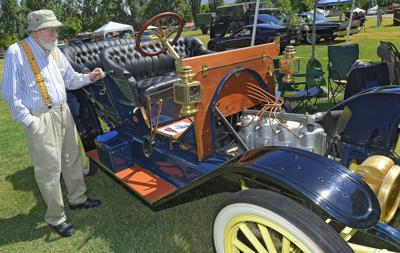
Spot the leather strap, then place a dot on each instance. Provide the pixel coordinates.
(36, 72)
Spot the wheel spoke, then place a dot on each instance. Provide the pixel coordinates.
(154, 42)
(252, 238)
(285, 245)
(242, 247)
(160, 29)
(267, 238)
(169, 32)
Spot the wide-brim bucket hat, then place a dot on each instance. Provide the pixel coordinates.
(42, 19)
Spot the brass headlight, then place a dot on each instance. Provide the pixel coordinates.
(187, 92)
(289, 64)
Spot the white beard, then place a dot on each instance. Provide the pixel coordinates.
(48, 45)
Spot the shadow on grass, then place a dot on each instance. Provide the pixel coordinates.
(29, 226)
(331, 42)
(121, 224)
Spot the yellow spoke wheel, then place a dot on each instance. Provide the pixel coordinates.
(263, 221)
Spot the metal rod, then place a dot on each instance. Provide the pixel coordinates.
(253, 35)
(350, 22)
(304, 118)
(230, 128)
(314, 30)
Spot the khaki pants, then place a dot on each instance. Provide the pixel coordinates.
(53, 146)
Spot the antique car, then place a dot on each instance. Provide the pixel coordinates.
(325, 29)
(188, 123)
(265, 33)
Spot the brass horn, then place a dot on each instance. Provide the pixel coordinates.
(383, 176)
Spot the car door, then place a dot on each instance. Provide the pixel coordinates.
(241, 38)
(265, 35)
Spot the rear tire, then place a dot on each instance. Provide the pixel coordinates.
(204, 29)
(308, 38)
(212, 47)
(261, 220)
(233, 27)
(330, 38)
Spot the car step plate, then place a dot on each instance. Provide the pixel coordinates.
(144, 183)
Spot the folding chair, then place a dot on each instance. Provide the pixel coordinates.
(389, 54)
(296, 98)
(340, 60)
(366, 75)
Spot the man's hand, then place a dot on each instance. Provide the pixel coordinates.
(96, 74)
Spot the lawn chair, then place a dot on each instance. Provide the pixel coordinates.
(296, 98)
(340, 60)
(389, 54)
(366, 75)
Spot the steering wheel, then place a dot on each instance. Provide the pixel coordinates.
(167, 24)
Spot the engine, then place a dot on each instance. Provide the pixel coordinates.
(302, 131)
(283, 129)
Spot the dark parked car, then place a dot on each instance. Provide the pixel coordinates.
(265, 33)
(325, 29)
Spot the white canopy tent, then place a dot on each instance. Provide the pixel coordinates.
(373, 10)
(358, 10)
(112, 27)
(320, 11)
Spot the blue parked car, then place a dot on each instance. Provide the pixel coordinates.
(266, 32)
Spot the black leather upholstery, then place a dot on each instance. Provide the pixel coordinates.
(149, 75)
(86, 56)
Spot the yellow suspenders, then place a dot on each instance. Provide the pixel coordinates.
(36, 72)
(46, 98)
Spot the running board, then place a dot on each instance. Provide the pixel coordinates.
(142, 182)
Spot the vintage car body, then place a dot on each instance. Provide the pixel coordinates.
(325, 29)
(266, 33)
(379, 133)
(168, 153)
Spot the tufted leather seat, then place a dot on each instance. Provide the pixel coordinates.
(145, 75)
(86, 56)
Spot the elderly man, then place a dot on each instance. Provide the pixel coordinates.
(36, 76)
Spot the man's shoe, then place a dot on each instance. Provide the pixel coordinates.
(89, 203)
(64, 229)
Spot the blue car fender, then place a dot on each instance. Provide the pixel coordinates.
(334, 188)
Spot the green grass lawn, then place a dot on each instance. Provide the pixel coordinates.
(122, 223)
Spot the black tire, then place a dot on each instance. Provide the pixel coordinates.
(233, 27)
(309, 230)
(299, 39)
(204, 29)
(308, 38)
(212, 46)
(330, 38)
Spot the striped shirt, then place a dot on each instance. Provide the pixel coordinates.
(20, 89)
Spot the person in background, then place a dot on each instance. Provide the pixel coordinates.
(36, 76)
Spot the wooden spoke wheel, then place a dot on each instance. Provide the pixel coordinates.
(264, 221)
(168, 25)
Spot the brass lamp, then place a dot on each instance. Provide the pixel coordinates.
(187, 92)
(289, 64)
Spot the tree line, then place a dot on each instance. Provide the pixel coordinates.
(87, 15)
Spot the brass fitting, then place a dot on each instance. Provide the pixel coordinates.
(187, 92)
(289, 64)
(383, 177)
